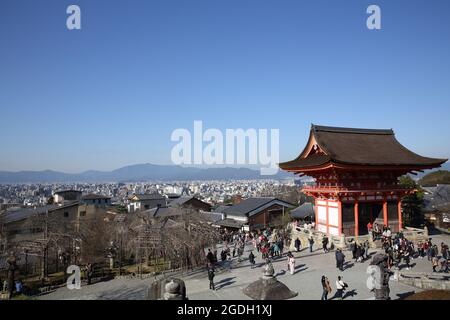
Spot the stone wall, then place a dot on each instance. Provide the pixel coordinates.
(342, 242)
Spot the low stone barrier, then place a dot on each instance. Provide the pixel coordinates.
(342, 242)
(426, 281)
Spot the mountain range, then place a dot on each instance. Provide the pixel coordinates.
(138, 172)
(148, 172)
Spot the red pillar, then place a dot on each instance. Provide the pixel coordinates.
(340, 216)
(356, 219)
(317, 216)
(327, 219)
(385, 213)
(400, 222)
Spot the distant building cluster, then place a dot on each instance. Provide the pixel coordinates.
(213, 192)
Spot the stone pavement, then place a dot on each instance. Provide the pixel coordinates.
(232, 277)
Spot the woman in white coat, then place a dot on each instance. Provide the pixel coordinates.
(291, 262)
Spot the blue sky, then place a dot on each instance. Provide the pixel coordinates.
(111, 93)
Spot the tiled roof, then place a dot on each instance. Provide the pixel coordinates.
(305, 210)
(352, 146)
(93, 196)
(250, 204)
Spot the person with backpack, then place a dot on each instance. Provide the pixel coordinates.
(340, 288)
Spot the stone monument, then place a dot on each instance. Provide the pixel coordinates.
(268, 287)
(378, 281)
(167, 289)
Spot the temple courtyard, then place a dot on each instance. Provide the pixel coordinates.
(233, 276)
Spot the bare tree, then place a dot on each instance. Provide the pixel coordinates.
(179, 239)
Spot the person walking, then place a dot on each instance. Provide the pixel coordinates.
(435, 251)
(211, 276)
(251, 258)
(340, 287)
(276, 249)
(366, 249)
(281, 245)
(311, 243)
(215, 257)
(369, 227)
(359, 253)
(297, 244)
(291, 262)
(375, 231)
(407, 256)
(434, 263)
(340, 258)
(325, 244)
(420, 249)
(326, 288)
(353, 248)
(429, 247)
(89, 273)
(19, 287)
(210, 256)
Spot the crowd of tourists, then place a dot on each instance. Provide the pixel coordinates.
(400, 251)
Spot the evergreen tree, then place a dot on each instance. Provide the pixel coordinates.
(412, 205)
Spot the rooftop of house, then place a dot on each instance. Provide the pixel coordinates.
(148, 196)
(303, 211)
(18, 214)
(93, 196)
(248, 206)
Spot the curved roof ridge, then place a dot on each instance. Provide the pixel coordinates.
(317, 128)
(363, 147)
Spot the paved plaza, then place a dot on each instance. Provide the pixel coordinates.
(232, 277)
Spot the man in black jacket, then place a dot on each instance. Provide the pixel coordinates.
(340, 258)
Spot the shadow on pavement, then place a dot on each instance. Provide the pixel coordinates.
(225, 280)
(402, 296)
(350, 293)
(224, 284)
(348, 265)
(300, 270)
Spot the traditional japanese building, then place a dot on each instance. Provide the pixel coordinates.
(357, 173)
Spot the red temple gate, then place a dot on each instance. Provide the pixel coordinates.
(356, 173)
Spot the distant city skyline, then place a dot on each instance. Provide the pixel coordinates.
(110, 95)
